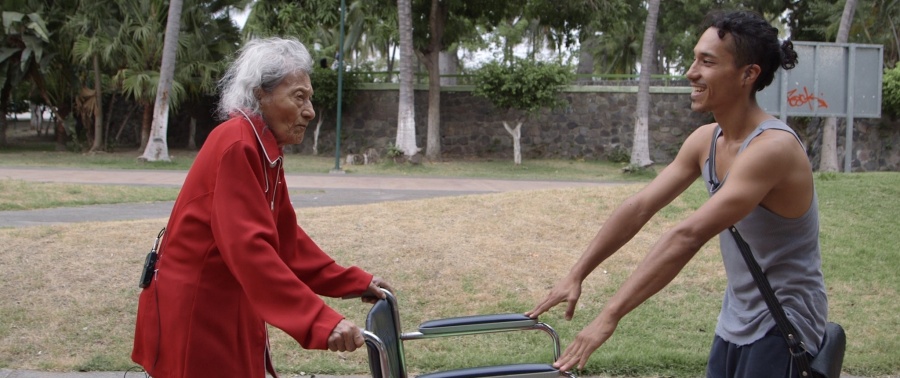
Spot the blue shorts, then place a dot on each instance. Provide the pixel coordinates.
(767, 357)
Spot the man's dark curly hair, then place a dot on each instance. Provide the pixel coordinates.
(755, 42)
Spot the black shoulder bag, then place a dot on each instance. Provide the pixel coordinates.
(831, 355)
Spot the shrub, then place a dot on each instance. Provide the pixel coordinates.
(890, 92)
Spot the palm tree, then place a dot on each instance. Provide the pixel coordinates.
(640, 149)
(828, 161)
(95, 23)
(406, 123)
(157, 148)
(141, 43)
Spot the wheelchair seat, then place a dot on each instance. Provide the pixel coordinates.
(385, 342)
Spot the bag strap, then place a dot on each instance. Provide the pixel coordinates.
(791, 337)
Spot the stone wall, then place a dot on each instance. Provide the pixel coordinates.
(596, 123)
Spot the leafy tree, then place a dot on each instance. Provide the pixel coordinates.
(96, 25)
(207, 37)
(619, 42)
(141, 41)
(521, 87)
(325, 84)
(567, 22)
(25, 54)
(301, 20)
(447, 22)
(890, 92)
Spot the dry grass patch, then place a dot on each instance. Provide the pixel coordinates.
(68, 293)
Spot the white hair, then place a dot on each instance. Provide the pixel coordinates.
(263, 64)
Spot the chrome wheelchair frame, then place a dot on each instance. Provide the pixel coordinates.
(384, 340)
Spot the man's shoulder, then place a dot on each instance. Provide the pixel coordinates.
(700, 138)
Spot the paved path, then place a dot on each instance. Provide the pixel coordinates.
(309, 190)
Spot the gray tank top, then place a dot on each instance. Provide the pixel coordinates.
(788, 252)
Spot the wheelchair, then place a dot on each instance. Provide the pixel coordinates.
(385, 342)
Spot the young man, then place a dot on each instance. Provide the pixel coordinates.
(759, 179)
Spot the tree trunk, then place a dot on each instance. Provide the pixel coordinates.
(56, 110)
(108, 120)
(60, 134)
(4, 101)
(640, 149)
(3, 125)
(432, 62)
(157, 149)
(316, 134)
(192, 135)
(449, 63)
(146, 121)
(829, 161)
(37, 118)
(98, 108)
(124, 122)
(586, 59)
(517, 141)
(406, 121)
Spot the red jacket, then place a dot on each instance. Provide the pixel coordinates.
(233, 259)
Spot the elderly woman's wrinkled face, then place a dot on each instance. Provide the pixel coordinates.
(288, 109)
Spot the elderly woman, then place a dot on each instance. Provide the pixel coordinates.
(233, 258)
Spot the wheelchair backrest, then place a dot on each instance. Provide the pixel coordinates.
(384, 322)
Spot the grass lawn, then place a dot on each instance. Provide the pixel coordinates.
(68, 292)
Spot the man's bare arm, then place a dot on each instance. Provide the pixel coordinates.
(629, 218)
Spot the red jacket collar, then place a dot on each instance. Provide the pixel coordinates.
(263, 135)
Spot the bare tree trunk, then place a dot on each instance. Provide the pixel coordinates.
(4, 104)
(406, 112)
(517, 141)
(449, 63)
(157, 149)
(98, 108)
(146, 121)
(640, 150)
(37, 118)
(586, 59)
(124, 122)
(55, 110)
(108, 120)
(829, 161)
(192, 135)
(433, 139)
(60, 134)
(3, 125)
(316, 134)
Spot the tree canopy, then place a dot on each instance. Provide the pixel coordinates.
(51, 64)
(522, 84)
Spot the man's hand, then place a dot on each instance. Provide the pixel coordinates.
(373, 293)
(345, 337)
(587, 341)
(566, 290)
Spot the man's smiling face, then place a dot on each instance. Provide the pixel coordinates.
(714, 75)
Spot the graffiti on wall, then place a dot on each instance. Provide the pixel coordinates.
(798, 99)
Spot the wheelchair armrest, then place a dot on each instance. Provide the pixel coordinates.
(476, 324)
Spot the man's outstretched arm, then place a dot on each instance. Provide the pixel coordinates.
(760, 168)
(628, 219)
